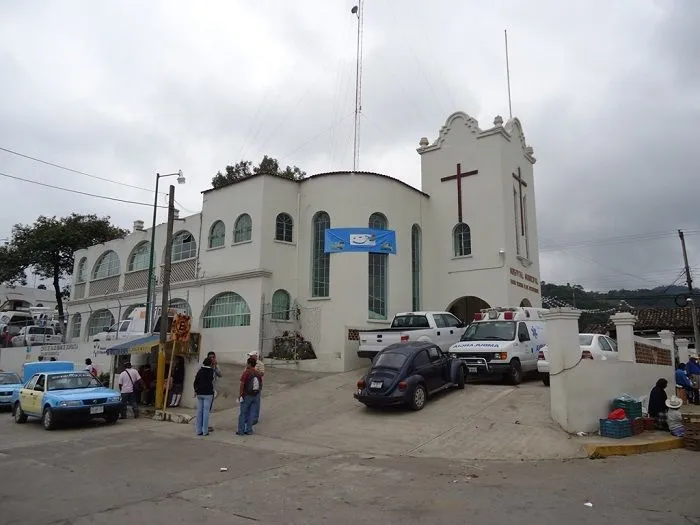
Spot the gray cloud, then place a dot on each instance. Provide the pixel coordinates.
(607, 93)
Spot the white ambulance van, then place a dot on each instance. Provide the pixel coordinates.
(502, 341)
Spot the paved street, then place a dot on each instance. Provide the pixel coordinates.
(146, 471)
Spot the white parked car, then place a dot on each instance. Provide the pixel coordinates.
(36, 335)
(593, 346)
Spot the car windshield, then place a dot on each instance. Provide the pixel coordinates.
(490, 331)
(9, 379)
(390, 360)
(72, 380)
(585, 340)
(410, 321)
(40, 330)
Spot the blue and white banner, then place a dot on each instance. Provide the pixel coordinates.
(360, 240)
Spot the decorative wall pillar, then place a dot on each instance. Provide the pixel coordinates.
(667, 339)
(683, 353)
(624, 326)
(564, 352)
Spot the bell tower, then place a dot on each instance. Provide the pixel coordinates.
(480, 224)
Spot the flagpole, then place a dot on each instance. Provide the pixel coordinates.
(510, 107)
(358, 11)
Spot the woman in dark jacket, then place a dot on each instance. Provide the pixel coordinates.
(204, 390)
(178, 381)
(657, 404)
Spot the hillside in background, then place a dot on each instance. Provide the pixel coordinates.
(574, 295)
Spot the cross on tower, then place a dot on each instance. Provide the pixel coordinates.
(521, 183)
(459, 176)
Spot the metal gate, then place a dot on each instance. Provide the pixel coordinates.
(291, 334)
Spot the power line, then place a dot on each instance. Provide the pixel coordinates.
(78, 192)
(76, 171)
(621, 239)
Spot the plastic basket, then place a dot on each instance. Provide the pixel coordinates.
(637, 426)
(616, 429)
(633, 409)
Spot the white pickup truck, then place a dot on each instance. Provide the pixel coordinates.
(441, 328)
(36, 335)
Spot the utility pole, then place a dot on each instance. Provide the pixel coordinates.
(691, 302)
(163, 329)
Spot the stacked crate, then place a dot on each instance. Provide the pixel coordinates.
(616, 428)
(691, 423)
(633, 409)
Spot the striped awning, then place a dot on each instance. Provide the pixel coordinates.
(142, 345)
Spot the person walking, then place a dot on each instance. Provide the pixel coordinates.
(217, 375)
(693, 371)
(260, 369)
(251, 385)
(204, 390)
(129, 382)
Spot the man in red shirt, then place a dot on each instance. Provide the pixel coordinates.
(249, 394)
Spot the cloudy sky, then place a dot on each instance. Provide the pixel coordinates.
(608, 93)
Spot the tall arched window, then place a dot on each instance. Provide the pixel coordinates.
(184, 246)
(415, 266)
(243, 228)
(106, 266)
(462, 240)
(226, 309)
(217, 234)
(280, 305)
(82, 271)
(320, 260)
(140, 255)
(284, 227)
(180, 304)
(99, 320)
(75, 323)
(377, 270)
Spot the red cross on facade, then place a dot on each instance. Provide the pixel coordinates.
(459, 176)
(521, 183)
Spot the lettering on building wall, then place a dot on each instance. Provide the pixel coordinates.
(517, 278)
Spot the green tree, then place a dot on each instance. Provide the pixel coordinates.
(48, 245)
(11, 267)
(244, 169)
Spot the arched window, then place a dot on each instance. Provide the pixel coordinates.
(415, 266)
(226, 309)
(99, 320)
(284, 227)
(320, 260)
(82, 271)
(106, 266)
(377, 270)
(181, 304)
(75, 323)
(184, 246)
(280, 305)
(139, 258)
(462, 240)
(130, 309)
(217, 234)
(243, 228)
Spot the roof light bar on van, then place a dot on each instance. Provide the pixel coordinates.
(493, 314)
(508, 315)
(478, 316)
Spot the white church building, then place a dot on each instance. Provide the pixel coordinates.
(254, 264)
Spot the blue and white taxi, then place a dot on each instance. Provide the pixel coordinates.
(54, 396)
(9, 383)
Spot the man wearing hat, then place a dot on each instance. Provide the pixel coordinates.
(674, 417)
(693, 371)
(260, 369)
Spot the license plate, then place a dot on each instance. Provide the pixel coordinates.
(472, 369)
(375, 384)
(97, 410)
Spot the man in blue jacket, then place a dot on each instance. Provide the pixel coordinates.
(693, 371)
(683, 380)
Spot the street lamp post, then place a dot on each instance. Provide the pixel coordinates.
(150, 293)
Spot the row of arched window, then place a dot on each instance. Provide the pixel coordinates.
(223, 310)
(108, 264)
(243, 230)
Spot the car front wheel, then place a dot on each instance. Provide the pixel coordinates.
(461, 378)
(20, 416)
(48, 419)
(419, 397)
(515, 373)
(545, 379)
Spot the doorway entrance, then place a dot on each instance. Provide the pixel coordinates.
(465, 307)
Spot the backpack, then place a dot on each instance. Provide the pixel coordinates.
(253, 385)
